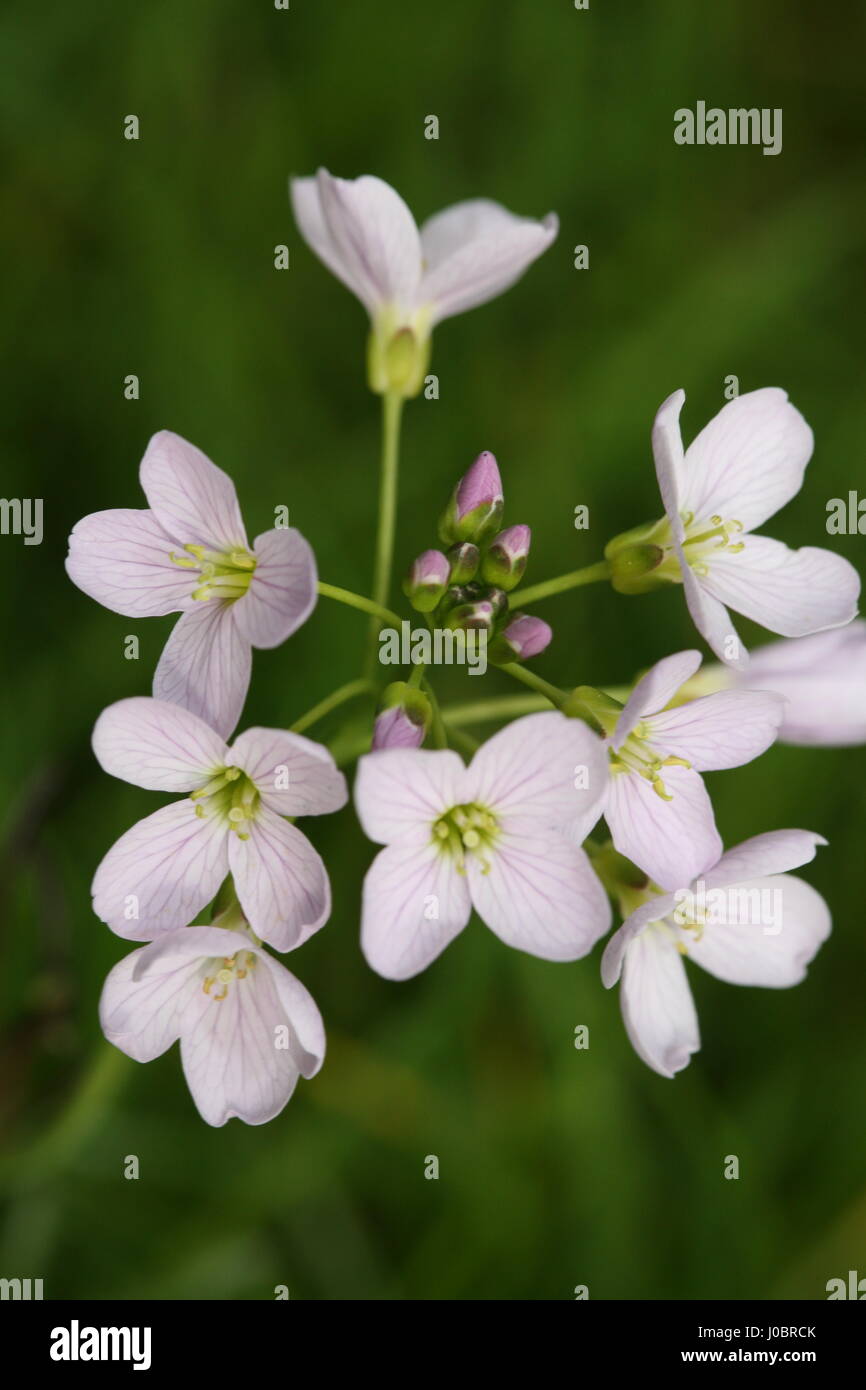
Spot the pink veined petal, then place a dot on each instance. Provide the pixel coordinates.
(539, 894)
(654, 910)
(166, 869)
(774, 952)
(711, 618)
(307, 207)
(545, 768)
(307, 1031)
(748, 461)
(399, 791)
(723, 730)
(414, 904)
(157, 745)
(281, 882)
(672, 841)
(823, 681)
(654, 690)
(792, 592)
(667, 446)
(657, 1005)
(295, 776)
(774, 852)
(832, 650)
(205, 666)
(121, 558)
(282, 592)
(475, 250)
(374, 235)
(143, 1016)
(190, 497)
(231, 1060)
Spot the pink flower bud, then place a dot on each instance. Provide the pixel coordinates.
(525, 636)
(475, 509)
(427, 580)
(505, 561)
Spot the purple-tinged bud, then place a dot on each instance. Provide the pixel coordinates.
(475, 510)
(505, 562)
(524, 636)
(403, 719)
(427, 581)
(480, 615)
(465, 558)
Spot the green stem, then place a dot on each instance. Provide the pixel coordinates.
(332, 701)
(591, 574)
(366, 605)
(392, 408)
(556, 696)
(498, 707)
(440, 738)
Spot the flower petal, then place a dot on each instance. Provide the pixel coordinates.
(653, 910)
(543, 768)
(672, 841)
(157, 745)
(749, 460)
(121, 558)
(823, 681)
(307, 1031)
(792, 592)
(143, 1016)
(667, 445)
(654, 690)
(314, 785)
(774, 852)
(540, 895)
(476, 250)
(414, 904)
(281, 882)
(657, 1005)
(163, 871)
(205, 666)
(723, 730)
(772, 952)
(282, 592)
(190, 497)
(711, 618)
(399, 791)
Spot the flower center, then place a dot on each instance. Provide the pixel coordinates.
(705, 537)
(221, 971)
(232, 795)
(638, 755)
(466, 829)
(225, 574)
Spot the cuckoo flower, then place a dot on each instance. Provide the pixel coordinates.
(189, 553)
(485, 836)
(742, 467)
(657, 807)
(755, 925)
(247, 1028)
(168, 867)
(410, 280)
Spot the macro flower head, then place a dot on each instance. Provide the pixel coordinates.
(247, 1027)
(409, 279)
(742, 467)
(763, 927)
(164, 871)
(487, 836)
(188, 553)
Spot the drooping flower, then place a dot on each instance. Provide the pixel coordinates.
(485, 836)
(657, 807)
(167, 868)
(189, 554)
(247, 1027)
(748, 922)
(410, 280)
(742, 467)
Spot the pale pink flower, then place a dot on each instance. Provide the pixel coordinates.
(657, 808)
(168, 867)
(731, 939)
(247, 1028)
(189, 553)
(742, 467)
(487, 837)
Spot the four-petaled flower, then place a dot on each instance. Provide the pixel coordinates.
(189, 553)
(247, 1028)
(763, 927)
(487, 836)
(167, 868)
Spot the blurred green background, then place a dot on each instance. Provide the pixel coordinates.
(558, 1167)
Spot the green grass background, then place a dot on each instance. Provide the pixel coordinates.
(558, 1167)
